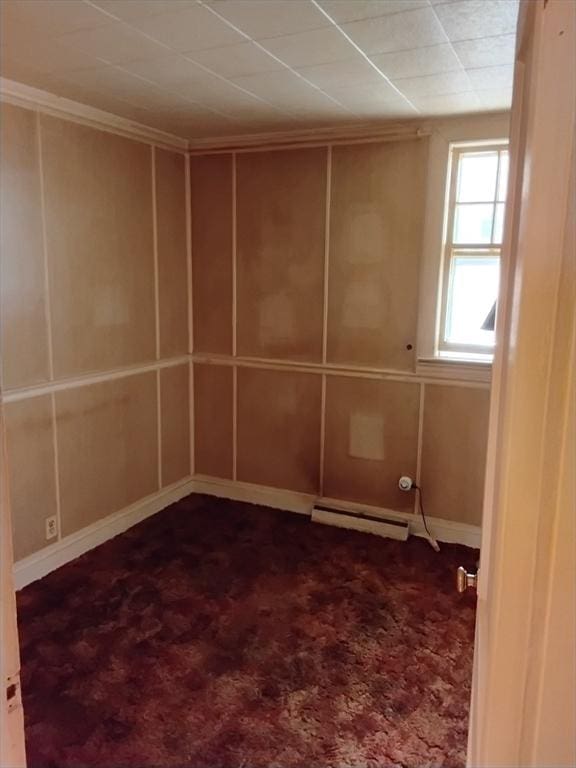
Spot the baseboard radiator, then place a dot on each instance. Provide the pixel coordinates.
(361, 521)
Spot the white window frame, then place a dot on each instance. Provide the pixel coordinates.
(473, 130)
(443, 347)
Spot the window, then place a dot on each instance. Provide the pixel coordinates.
(474, 223)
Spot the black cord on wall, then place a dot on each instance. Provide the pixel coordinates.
(421, 506)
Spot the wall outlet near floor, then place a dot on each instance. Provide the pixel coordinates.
(51, 527)
(405, 483)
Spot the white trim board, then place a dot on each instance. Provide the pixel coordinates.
(447, 531)
(50, 558)
(21, 95)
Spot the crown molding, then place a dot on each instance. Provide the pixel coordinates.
(380, 130)
(345, 134)
(27, 96)
(13, 92)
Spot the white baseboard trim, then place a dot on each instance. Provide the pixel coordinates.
(448, 531)
(263, 495)
(50, 558)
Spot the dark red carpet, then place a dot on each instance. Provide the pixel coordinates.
(223, 635)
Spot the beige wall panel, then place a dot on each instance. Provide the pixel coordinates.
(172, 252)
(376, 223)
(175, 410)
(24, 336)
(279, 429)
(281, 204)
(98, 193)
(371, 440)
(211, 200)
(454, 452)
(107, 447)
(213, 398)
(31, 472)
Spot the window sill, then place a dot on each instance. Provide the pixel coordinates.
(459, 369)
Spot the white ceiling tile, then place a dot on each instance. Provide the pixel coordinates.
(177, 66)
(195, 127)
(486, 51)
(236, 60)
(397, 32)
(434, 85)
(193, 29)
(54, 17)
(130, 10)
(25, 73)
(449, 104)
(356, 71)
(51, 57)
(167, 71)
(277, 86)
(316, 46)
(496, 98)
(116, 43)
(353, 10)
(260, 19)
(318, 108)
(30, 47)
(95, 98)
(115, 82)
(491, 77)
(375, 99)
(421, 61)
(384, 110)
(470, 19)
(221, 95)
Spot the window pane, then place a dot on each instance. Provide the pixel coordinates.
(499, 223)
(503, 178)
(473, 224)
(477, 177)
(473, 290)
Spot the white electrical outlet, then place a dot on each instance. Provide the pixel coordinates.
(405, 483)
(51, 527)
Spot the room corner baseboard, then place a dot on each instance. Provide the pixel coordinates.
(277, 498)
(447, 531)
(50, 558)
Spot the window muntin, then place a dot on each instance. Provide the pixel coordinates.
(473, 238)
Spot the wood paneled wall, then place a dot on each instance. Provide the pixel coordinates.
(94, 321)
(306, 265)
(301, 286)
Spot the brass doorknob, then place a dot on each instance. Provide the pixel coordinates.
(465, 580)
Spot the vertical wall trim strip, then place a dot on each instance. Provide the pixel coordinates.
(234, 318)
(420, 440)
(47, 304)
(234, 290)
(188, 199)
(56, 462)
(234, 421)
(326, 253)
(322, 432)
(155, 249)
(325, 311)
(190, 277)
(159, 424)
(191, 416)
(48, 320)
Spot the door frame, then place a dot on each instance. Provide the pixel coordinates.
(529, 488)
(12, 749)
